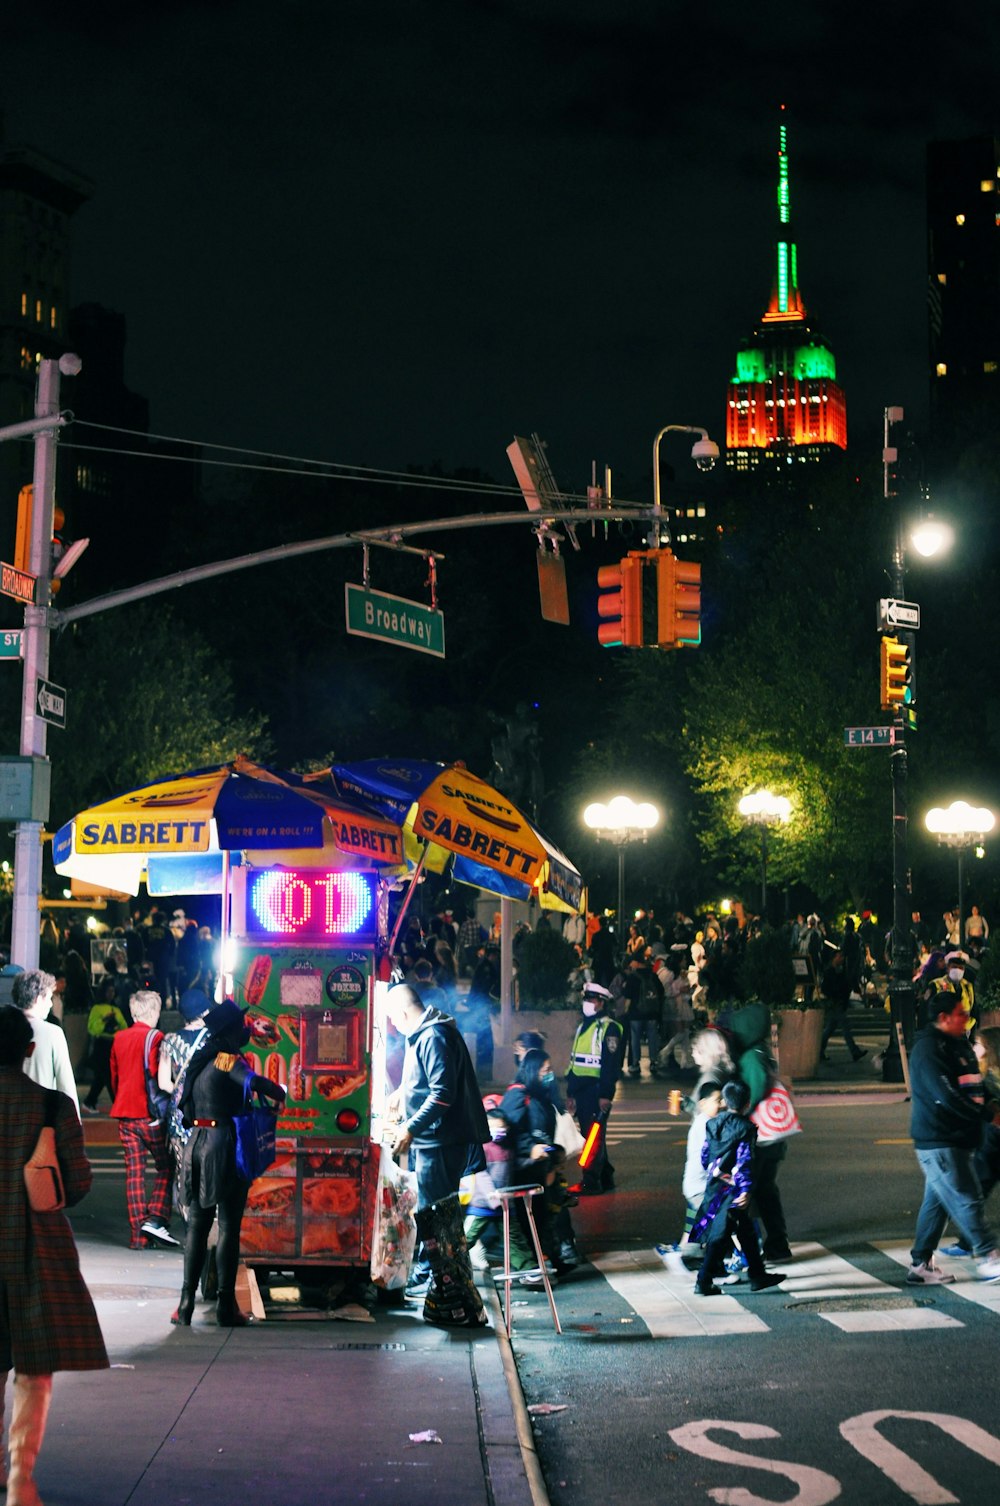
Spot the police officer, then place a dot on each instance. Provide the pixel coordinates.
(595, 1066)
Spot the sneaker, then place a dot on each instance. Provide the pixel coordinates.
(771, 1278)
(926, 1273)
(478, 1257)
(955, 1250)
(89, 1109)
(569, 1256)
(772, 1256)
(989, 1269)
(863, 1051)
(159, 1231)
(416, 1291)
(532, 1281)
(708, 1291)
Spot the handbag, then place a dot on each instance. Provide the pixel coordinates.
(157, 1101)
(256, 1145)
(42, 1174)
(568, 1133)
(775, 1115)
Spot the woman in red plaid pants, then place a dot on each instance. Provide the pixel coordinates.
(142, 1137)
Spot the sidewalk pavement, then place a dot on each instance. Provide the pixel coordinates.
(299, 1409)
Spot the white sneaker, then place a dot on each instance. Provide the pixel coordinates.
(160, 1232)
(479, 1258)
(926, 1273)
(989, 1269)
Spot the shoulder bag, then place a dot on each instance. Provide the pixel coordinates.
(255, 1135)
(157, 1101)
(42, 1175)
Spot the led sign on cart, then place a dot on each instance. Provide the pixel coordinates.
(309, 904)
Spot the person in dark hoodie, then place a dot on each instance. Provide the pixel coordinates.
(443, 1124)
(749, 1029)
(727, 1156)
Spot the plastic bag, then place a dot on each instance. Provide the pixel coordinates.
(394, 1237)
(568, 1134)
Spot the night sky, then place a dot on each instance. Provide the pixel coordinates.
(391, 233)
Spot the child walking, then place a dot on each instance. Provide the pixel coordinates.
(727, 1156)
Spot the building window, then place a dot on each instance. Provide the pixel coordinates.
(26, 359)
(52, 317)
(989, 367)
(987, 185)
(960, 219)
(942, 278)
(38, 311)
(941, 368)
(24, 305)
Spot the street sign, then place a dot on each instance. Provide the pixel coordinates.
(393, 619)
(17, 583)
(869, 737)
(10, 643)
(50, 701)
(897, 614)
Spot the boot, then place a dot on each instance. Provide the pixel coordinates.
(32, 1394)
(185, 1308)
(227, 1314)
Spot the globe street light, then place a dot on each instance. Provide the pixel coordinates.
(959, 825)
(764, 809)
(621, 821)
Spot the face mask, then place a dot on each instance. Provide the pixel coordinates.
(955, 973)
(589, 1007)
(548, 1077)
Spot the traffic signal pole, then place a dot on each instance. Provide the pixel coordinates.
(901, 998)
(28, 834)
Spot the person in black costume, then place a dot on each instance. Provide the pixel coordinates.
(215, 1089)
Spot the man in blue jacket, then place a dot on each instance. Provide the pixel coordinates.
(443, 1124)
(946, 1124)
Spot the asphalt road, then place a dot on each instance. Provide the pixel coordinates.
(843, 1383)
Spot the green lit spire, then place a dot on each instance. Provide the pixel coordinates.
(785, 300)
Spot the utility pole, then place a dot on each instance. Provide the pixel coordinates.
(28, 837)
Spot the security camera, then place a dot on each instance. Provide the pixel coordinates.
(704, 453)
(70, 364)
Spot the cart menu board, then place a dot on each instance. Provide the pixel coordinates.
(307, 1008)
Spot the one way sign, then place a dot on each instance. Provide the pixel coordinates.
(50, 701)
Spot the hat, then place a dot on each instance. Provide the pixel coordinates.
(955, 956)
(223, 1018)
(596, 990)
(193, 1004)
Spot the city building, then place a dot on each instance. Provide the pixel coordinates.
(963, 265)
(785, 409)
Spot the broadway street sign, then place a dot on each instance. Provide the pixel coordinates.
(17, 583)
(393, 619)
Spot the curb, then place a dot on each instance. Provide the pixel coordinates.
(522, 1421)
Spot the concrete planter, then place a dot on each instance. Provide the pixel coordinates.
(800, 1035)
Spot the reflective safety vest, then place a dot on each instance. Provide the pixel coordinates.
(588, 1045)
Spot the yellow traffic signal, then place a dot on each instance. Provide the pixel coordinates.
(895, 671)
(22, 542)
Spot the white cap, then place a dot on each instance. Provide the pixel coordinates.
(597, 989)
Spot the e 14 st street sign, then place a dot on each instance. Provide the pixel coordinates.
(393, 619)
(869, 737)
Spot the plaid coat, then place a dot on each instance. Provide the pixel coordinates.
(47, 1319)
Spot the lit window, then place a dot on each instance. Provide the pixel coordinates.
(24, 305)
(942, 368)
(942, 278)
(987, 185)
(960, 219)
(701, 512)
(52, 317)
(38, 311)
(26, 360)
(989, 367)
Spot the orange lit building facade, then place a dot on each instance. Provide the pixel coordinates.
(784, 405)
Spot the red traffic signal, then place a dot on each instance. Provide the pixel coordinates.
(621, 603)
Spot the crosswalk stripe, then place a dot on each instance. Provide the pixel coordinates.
(661, 1292)
(967, 1284)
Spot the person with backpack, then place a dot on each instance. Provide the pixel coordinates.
(749, 1031)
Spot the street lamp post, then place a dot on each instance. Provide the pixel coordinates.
(704, 453)
(621, 821)
(764, 810)
(959, 825)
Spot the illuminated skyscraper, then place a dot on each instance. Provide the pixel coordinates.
(784, 405)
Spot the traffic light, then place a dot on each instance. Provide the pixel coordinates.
(621, 605)
(895, 671)
(678, 601)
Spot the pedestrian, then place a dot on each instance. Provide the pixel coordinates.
(837, 993)
(728, 1155)
(595, 1065)
(987, 1158)
(529, 1108)
(750, 1029)
(695, 1179)
(946, 1123)
(176, 1051)
(483, 1220)
(644, 993)
(135, 1062)
(49, 1063)
(218, 1083)
(483, 995)
(103, 1024)
(711, 1055)
(602, 952)
(443, 1124)
(47, 1318)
